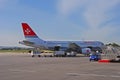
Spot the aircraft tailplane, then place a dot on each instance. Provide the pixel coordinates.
(30, 35)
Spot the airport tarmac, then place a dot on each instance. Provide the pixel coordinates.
(24, 67)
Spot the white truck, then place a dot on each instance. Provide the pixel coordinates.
(64, 54)
(59, 53)
(35, 53)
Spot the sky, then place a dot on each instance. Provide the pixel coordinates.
(60, 20)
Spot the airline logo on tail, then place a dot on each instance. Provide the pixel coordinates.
(28, 32)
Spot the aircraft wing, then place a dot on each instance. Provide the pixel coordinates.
(28, 43)
(32, 44)
(74, 47)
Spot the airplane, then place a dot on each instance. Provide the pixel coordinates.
(32, 40)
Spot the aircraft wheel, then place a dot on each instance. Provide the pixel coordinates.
(32, 55)
(39, 56)
(90, 60)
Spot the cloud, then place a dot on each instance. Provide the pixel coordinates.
(96, 16)
(96, 12)
(65, 7)
(4, 3)
(102, 34)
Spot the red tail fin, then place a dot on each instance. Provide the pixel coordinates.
(28, 32)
